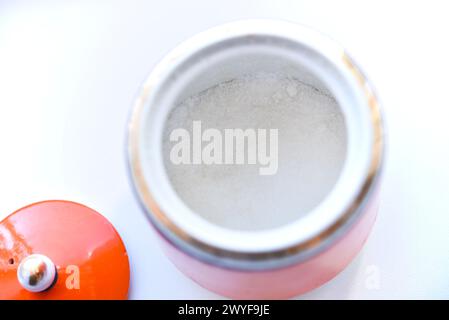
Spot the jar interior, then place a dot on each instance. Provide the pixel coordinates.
(255, 89)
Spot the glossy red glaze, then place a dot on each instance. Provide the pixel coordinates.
(90, 257)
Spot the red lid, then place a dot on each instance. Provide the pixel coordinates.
(90, 258)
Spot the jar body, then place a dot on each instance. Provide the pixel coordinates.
(279, 262)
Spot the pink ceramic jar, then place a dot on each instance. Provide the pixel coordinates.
(280, 262)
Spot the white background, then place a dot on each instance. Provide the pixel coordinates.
(69, 71)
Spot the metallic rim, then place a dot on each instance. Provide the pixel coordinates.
(160, 220)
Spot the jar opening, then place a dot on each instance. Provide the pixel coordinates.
(230, 53)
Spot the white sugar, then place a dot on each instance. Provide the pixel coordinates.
(311, 151)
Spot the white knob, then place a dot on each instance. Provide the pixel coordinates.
(36, 273)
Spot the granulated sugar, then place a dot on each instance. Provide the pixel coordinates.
(311, 151)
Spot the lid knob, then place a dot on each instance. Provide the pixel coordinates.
(36, 273)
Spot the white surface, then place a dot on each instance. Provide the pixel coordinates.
(69, 72)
